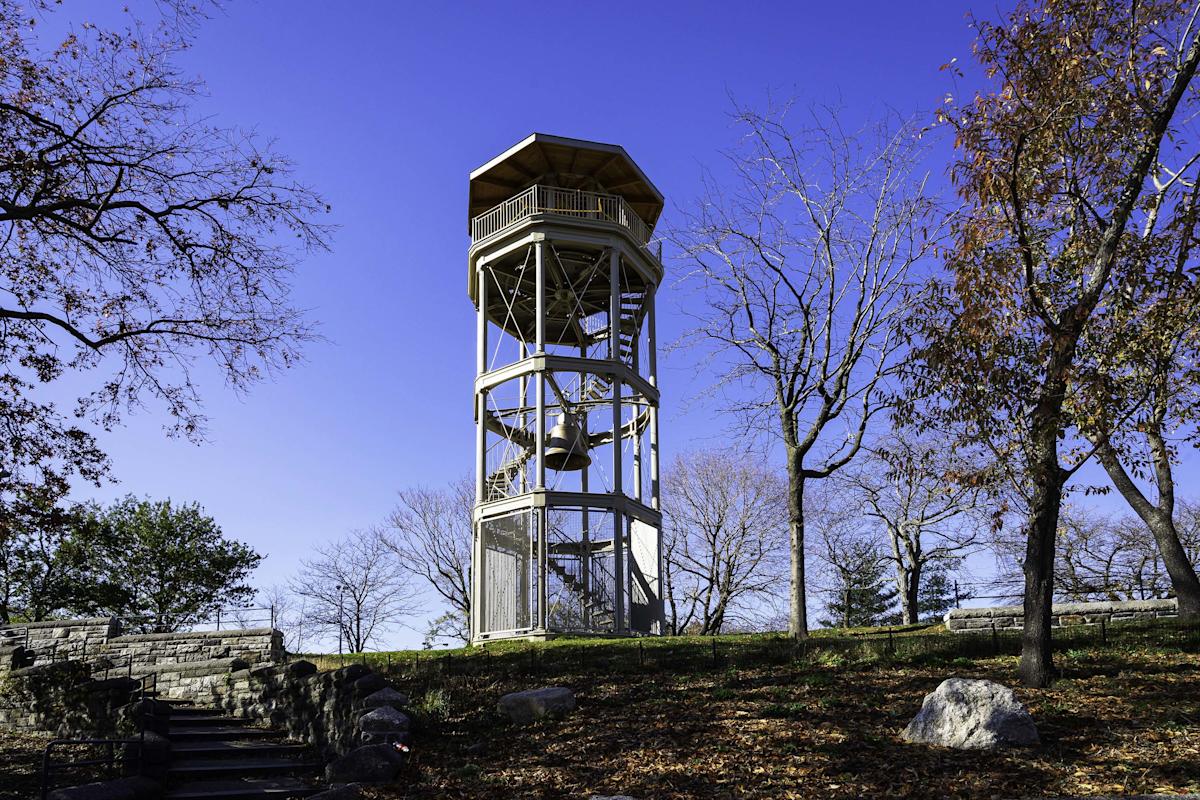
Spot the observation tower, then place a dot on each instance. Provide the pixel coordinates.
(563, 271)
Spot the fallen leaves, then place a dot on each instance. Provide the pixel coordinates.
(1119, 722)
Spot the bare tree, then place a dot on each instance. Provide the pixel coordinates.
(429, 532)
(803, 267)
(725, 522)
(1101, 557)
(848, 553)
(355, 590)
(135, 236)
(289, 613)
(926, 497)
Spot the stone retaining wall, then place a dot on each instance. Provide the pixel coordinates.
(186, 664)
(101, 637)
(974, 620)
(63, 699)
(322, 709)
(57, 640)
(253, 645)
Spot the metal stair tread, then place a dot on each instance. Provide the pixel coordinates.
(247, 763)
(233, 746)
(214, 718)
(239, 789)
(218, 748)
(217, 731)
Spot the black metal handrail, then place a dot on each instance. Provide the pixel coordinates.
(109, 761)
(251, 615)
(147, 687)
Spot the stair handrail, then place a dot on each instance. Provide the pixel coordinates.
(143, 693)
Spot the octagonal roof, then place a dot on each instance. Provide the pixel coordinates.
(567, 163)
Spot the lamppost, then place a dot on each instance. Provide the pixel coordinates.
(341, 590)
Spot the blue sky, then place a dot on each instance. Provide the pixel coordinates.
(386, 107)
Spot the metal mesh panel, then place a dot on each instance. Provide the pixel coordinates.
(508, 572)
(579, 574)
(645, 588)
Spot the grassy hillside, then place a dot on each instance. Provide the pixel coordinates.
(665, 718)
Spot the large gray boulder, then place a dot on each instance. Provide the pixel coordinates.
(369, 683)
(387, 696)
(374, 763)
(384, 718)
(972, 715)
(524, 707)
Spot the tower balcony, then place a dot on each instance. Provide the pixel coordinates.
(589, 208)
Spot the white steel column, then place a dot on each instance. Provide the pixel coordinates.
(540, 423)
(585, 537)
(655, 501)
(652, 365)
(539, 388)
(614, 325)
(481, 343)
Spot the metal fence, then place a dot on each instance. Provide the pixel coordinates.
(220, 619)
(913, 644)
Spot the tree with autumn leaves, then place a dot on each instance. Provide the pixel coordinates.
(1071, 301)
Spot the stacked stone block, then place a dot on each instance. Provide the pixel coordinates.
(60, 640)
(975, 620)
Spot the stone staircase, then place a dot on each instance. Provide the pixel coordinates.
(215, 757)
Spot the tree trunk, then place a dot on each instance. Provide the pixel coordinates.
(912, 586)
(1159, 517)
(1036, 668)
(1037, 664)
(798, 612)
(1175, 559)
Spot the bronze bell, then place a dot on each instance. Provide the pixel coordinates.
(566, 447)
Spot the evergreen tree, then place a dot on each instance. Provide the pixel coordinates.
(863, 595)
(936, 594)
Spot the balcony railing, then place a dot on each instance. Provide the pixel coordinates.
(573, 203)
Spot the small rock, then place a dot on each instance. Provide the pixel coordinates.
(374, 763)
(476, 749)
(386, 696)
(972, 715)
(384, 718)
(524, 707)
